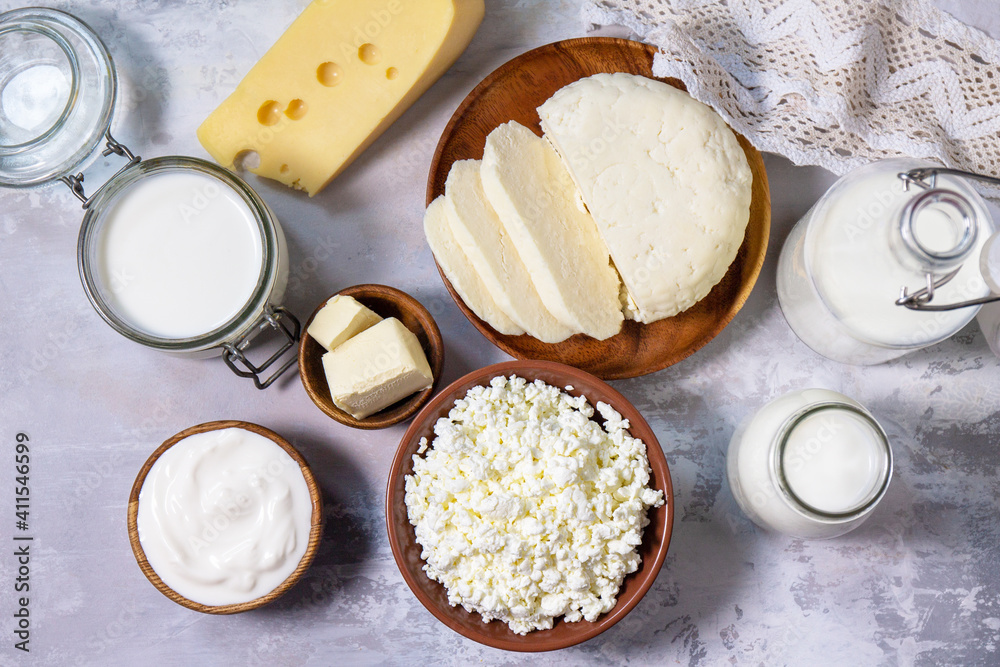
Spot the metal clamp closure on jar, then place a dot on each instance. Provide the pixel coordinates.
(947, 261)
(75, 183)
(277, 319)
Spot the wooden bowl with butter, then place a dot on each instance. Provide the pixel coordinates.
(385, 302)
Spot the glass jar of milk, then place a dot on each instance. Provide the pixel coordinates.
(812, 464)
(175, 253)
(891, 225)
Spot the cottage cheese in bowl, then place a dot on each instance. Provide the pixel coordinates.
(526, 508)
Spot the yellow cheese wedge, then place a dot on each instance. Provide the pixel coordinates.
(341, 74)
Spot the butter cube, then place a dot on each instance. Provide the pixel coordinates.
(376, 368)
(342, 73)
(341, 318)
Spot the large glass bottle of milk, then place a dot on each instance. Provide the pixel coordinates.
(876, 231)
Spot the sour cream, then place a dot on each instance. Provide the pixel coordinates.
(224, 516)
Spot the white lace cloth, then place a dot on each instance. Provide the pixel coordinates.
(835, 83)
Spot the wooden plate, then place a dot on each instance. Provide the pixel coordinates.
(385, 302)
(315, 530)
(513, 92)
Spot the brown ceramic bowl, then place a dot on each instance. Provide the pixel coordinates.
(385, 302)
(315, 531)
(433, 596)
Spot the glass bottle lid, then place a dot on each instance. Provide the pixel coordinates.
(57, 95)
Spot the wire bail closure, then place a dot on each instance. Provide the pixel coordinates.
(277, 319)
(75, 183)
(926, 178)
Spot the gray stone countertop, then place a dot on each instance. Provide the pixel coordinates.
(917, 584)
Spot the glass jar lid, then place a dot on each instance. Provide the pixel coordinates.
(57, 95)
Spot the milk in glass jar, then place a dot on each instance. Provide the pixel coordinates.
(175, 253)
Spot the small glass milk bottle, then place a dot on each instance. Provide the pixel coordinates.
(811, 464)
(848, 271)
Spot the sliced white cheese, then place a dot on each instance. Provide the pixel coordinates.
(460, 272)
(664, 178)
(482, 237)
(530, 189)
(338, 320)
(376, 368)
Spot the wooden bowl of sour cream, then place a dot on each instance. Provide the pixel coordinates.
(217, 479)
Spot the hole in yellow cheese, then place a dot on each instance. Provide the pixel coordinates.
(247, 159)
(329, 74)
(369, 54)
(296, 109)
(269, 113)
(391, 73)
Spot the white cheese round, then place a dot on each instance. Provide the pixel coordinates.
(526, 508)
(665, 179)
